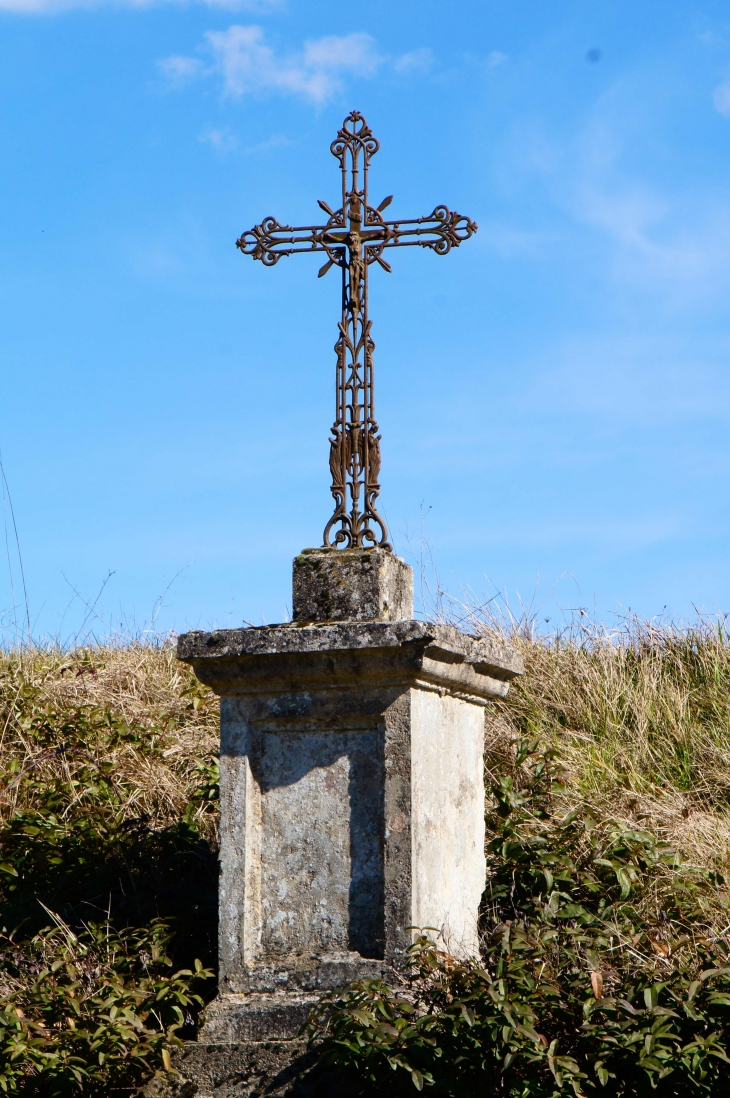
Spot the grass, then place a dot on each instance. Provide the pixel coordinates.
(108, 766)
(131, 710)
(640, 715)
(112, 753)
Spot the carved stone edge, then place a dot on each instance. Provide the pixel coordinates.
(231, 1018)
(439, 655)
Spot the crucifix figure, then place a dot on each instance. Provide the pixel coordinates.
(354, 236)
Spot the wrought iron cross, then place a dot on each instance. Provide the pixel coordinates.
(354, 236)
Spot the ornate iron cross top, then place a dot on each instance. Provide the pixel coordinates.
(354, 236)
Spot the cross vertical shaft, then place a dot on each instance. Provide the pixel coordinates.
(355, 442)
(354, 237)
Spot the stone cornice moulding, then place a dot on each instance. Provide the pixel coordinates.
(338, 654)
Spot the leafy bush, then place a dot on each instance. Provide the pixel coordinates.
(108, 868)
(90, 1010)
(599, 970)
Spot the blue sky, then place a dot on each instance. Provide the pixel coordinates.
(554, 396)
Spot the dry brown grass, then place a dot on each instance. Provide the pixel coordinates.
(130, 710)
(641, 718)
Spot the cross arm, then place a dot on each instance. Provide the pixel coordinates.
(441, 230)
(269, 241)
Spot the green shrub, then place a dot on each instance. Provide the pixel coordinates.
(94, 1011)
(600, 972)
(107, 830)
(87, 861)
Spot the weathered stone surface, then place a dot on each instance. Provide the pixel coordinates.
(447, 808)
(276, 657)
(275, 1069)
(351, 585)
(232, 1018)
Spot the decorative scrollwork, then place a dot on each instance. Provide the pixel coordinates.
(355, 136)
(259, 241)
(354, 237)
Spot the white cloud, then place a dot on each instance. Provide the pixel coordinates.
(416, 61)
(249, 66)
(495, 59)
(355, 52)
(53, 7)
(223, 141)
(656, 246)
(670, 243)
(661, 242)
(721, 98)
(180, 70)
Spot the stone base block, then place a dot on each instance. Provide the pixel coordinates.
(250, 1069)
(237, 1018)
(351, 585)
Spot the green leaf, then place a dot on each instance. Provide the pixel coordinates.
(624, 881)
(601, 1072)
(692, 990)
(711, 973)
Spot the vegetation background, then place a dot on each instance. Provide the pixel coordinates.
(108, 864)
(108, 822)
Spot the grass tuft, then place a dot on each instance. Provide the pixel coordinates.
(131, 712)
(641, 717)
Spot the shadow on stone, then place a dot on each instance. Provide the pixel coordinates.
(265, 1069)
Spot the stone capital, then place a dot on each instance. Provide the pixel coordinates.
(355, 655)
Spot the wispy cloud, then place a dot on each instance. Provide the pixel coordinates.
(180, 70)
(421, 60)
(276, 141)
(223, 141)
(248, 65)
(671, 243)
(54, 7)
(721, 98)
(495, 59)
(712, 39)
(661, 242)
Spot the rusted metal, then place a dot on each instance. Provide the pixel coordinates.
(354, 236)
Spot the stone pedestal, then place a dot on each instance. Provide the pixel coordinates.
(352, 793)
